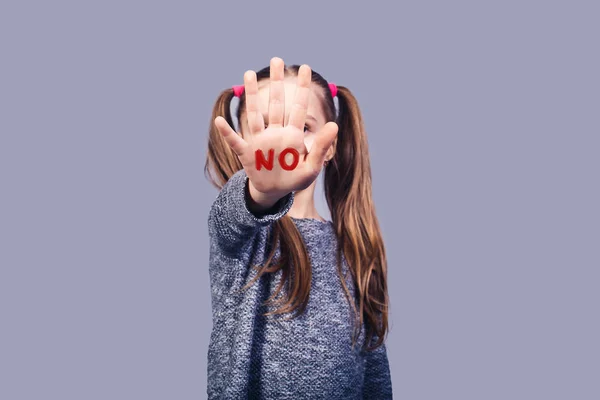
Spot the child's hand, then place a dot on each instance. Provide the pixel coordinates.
(277, 182)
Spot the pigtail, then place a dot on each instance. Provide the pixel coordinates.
(221, 161)
(349, 196)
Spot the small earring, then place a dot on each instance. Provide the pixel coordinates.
(326, 162)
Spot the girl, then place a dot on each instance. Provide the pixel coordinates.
(271, 254)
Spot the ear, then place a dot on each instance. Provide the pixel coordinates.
(331, 152)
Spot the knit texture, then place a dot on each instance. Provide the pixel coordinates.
(256, 357)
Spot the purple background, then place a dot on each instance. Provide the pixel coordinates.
(483, 123)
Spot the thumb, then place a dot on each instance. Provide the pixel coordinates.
(235, 141)
(322, 143)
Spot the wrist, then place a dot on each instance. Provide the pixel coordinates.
(259, 201)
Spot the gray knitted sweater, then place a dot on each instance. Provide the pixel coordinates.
(256, 357)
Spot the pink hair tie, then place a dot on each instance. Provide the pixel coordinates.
(238, 90)
(333, 89)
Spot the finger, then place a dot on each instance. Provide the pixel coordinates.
(321, 144)
(276, 92)
(255, 118)
(300, 105)
(235, 141)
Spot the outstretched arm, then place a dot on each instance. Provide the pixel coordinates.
(234, 219)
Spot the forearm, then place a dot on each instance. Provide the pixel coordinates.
(235, 217)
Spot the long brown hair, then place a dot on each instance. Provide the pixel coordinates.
(347, 181)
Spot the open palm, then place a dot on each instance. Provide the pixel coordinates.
(276, 138)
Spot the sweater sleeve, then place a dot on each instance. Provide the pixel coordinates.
(231, 225)
(378, 380)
